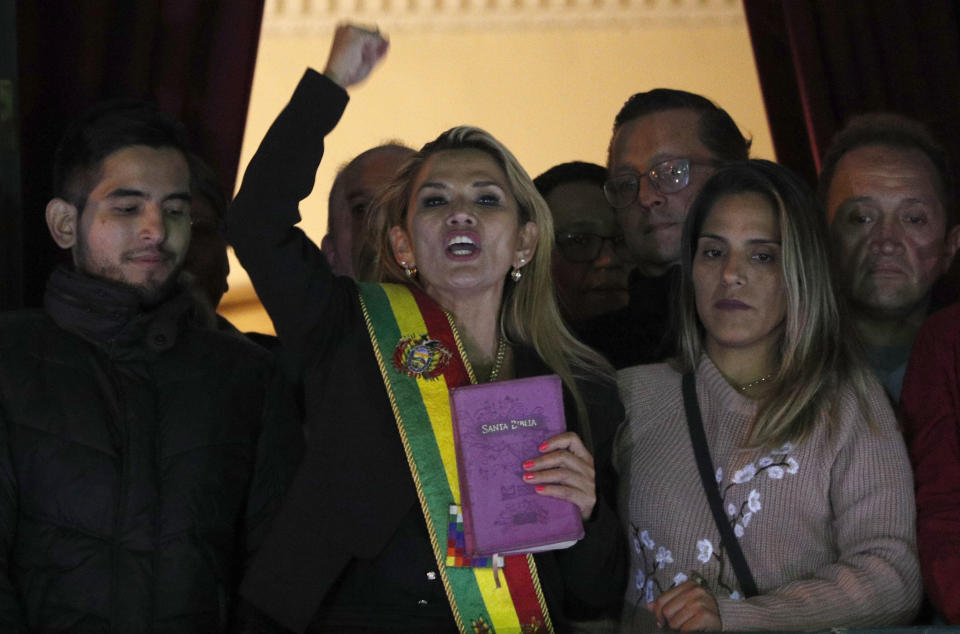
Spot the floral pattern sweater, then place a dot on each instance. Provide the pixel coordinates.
(827, 526)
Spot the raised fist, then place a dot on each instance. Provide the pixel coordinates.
(354, 53)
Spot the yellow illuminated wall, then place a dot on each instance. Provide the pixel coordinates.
(545, 77)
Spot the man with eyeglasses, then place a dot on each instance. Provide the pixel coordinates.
(589, 258)
(665, 144)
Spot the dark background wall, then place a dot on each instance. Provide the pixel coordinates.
(11, 274)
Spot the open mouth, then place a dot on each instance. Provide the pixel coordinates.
(462, 246)
(731, 304)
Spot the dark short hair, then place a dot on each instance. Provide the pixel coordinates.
(893, 130)
(572, 172)
(99, 132)
(206, 183)
(716, 129)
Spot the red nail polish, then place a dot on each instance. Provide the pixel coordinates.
(543, 446)
(528, 464)
(528, 476)
(539, 487)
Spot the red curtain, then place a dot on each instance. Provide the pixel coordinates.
(194, 58)
(821, 61)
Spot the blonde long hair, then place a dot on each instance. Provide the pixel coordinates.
(529, 314)
(817, 351)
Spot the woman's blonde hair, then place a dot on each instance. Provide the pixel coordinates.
(817, 352)
(529, 314)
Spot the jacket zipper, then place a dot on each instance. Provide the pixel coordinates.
(116, 547)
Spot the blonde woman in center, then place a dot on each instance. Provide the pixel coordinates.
(805, 455)
(364, 540)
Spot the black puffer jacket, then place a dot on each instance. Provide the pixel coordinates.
(141, 457)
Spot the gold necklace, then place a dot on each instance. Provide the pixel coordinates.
(755, 383)
(498, 362)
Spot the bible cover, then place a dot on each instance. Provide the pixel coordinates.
(497, 427)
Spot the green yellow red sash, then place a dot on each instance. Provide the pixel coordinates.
(421, 359)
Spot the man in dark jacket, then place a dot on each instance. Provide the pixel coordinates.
(142, 453)
(665, 145)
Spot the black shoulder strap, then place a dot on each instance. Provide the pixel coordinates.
(699, 439)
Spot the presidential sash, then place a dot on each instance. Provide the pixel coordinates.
(421, 358)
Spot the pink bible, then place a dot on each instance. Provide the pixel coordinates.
(497, 427)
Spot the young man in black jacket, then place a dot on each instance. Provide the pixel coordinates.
(142, 452)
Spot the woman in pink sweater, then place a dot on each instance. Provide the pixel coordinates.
(806, 465)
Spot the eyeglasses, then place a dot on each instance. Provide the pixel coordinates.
(586, 247)
(667, 177)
